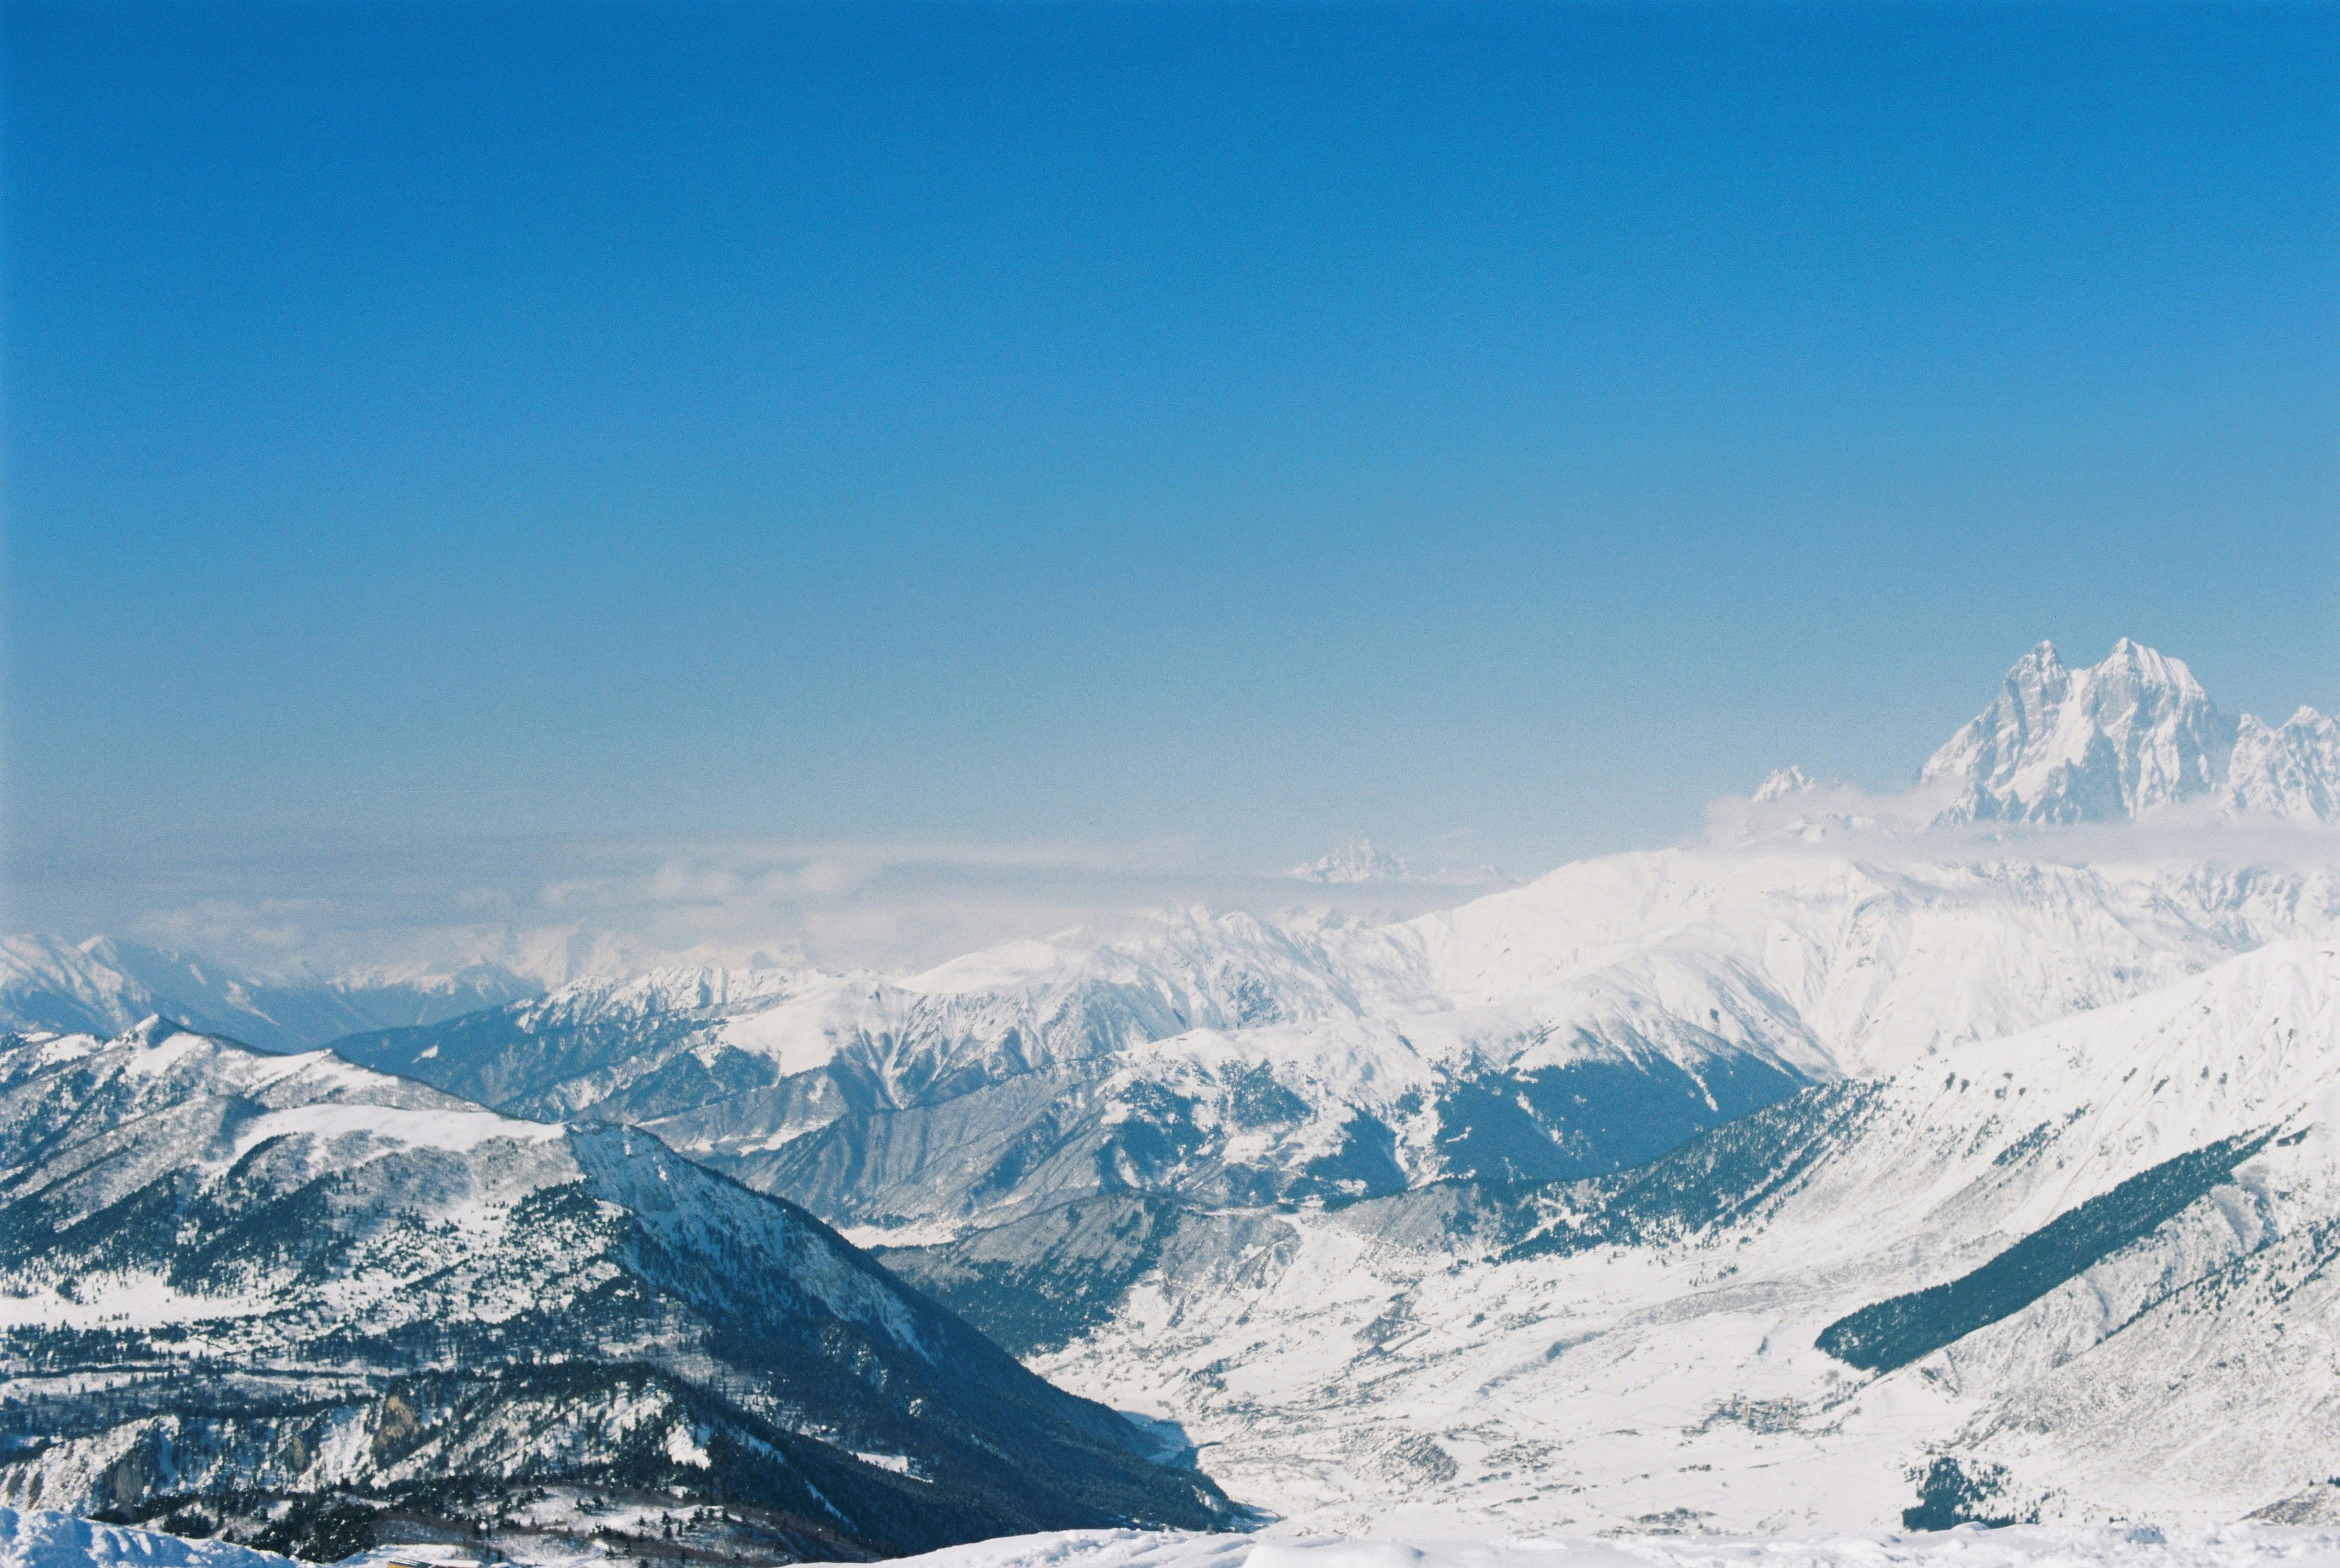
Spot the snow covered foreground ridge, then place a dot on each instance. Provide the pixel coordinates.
(41, 1538)
(2246, 1546)
(49, 1540)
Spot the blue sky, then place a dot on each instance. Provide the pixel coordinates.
(1495, 429)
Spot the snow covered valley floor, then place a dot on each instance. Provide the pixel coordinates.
(2083, 1274)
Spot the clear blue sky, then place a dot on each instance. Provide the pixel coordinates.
(1256, 423)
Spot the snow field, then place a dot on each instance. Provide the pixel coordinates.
(2020, 1546)
(42, 1539)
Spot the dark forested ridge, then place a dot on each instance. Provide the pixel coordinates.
(301, 1301)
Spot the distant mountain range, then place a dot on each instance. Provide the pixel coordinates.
(1811, 1180)
(1577, 1026)
(103, 986)
(1353, 862)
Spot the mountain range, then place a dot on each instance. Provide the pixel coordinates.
(2083, 1273)
(244, 1287)
(103, 986)
(1570, 1028)
(1967, 1169)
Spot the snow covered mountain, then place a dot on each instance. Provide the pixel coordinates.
(44, 1538)
(1353, 862)
(2085, 1272)
(2133, 734)
(1798, 1183)
(103, 986)
(1224, 1058)
(1575, 1025)
(1579, 1024)
(243, 1286)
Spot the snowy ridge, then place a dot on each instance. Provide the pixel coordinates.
(696, 990)
(2288, 770)
(1856, 965)
(1215, 1054)
(44, 1539)
(1586, 1020)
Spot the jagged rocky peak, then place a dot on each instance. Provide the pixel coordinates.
(1783, 782)
(2291, 770)
(2133, 734)
(1353, 862)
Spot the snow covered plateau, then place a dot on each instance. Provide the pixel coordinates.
(1871, 1168)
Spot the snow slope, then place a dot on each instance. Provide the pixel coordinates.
(2130, 1214)
(48, 1539)
(44, 1539)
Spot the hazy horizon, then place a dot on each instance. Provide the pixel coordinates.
(944, 471)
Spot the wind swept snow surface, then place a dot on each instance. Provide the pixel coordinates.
(38, 1538)
(2117, 1547)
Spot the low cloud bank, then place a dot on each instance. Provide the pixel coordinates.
(1841, 819)
(551, 909)
(555, 909)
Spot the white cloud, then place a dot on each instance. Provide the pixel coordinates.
(1839, 819)
(554, 909)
